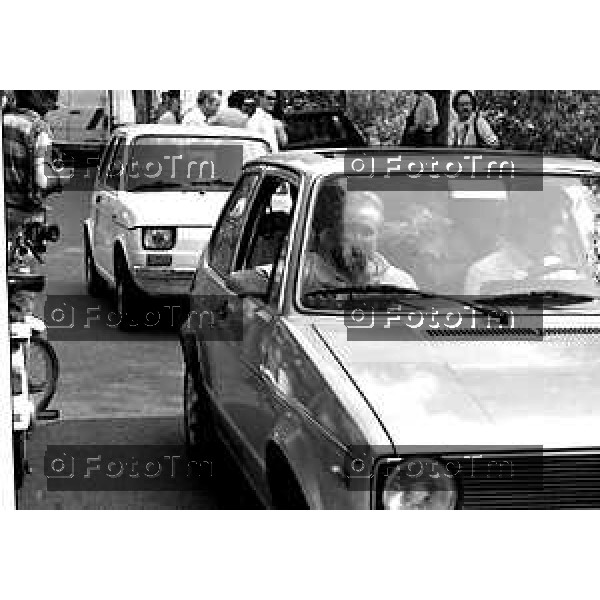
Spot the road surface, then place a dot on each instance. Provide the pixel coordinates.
(124, 391)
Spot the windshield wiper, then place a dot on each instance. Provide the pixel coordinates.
(554, 297)
(155, 185)
(354, 291)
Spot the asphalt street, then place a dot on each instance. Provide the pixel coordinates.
(124, 391)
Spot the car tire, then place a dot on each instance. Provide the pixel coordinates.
(128, 300)
(93, 280)
(198, 425)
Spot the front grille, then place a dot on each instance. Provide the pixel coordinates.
(533, 481)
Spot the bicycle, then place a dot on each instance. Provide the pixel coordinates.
(31, 394)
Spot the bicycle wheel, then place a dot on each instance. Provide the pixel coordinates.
(42, 372)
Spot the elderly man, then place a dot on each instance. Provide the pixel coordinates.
(345, 231)
(207, 106)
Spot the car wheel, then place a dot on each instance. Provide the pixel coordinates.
(92, 278)
(127, 298)
(197, 420)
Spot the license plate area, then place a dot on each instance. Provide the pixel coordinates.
(159, 260)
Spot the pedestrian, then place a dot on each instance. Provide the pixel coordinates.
(232, 115)
(469, 128)
(265, 111)
(168, 113)
(207, 106)
(421, 120)
(27, 148)
(260, 121)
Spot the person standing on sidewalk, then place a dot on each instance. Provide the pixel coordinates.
(207, 106)
(261, 121)
(421, 121)
(266, 111)
(168, 111)
(469, 128)
(27, 146)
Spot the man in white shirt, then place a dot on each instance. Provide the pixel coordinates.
(533, 241)
(262, 120)
(207, 105)
(232, 115)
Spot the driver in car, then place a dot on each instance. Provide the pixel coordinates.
(535, 246)
(346, 227)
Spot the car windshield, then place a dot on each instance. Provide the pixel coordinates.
(189, 162)
(484, 245)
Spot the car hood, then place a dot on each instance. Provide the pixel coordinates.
(174, 208)
(481, 392)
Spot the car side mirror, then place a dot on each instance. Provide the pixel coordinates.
(249, 283)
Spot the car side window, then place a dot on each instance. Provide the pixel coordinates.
(115, 169)
(268, 230)
(227, 234)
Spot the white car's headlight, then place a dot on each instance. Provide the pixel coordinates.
(419, 484)
(158, 238)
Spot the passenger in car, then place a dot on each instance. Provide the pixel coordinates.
(346, 229)
(532, 242)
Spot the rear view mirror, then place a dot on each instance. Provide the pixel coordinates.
(249, 283)
(283, 189)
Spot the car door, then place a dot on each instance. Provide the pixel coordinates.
(210, 294)
(252, 380)
(106, 200)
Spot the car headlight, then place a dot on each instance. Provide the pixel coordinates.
(158, 238)
(419, 484)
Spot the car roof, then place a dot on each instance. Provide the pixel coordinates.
(137, 130)
(330, 161)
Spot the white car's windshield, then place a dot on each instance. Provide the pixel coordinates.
(163, 163)
(451, 241)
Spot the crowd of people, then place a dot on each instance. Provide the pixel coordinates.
(253, 110)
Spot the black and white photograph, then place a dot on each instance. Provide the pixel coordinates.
(245, 325)
(306, 299)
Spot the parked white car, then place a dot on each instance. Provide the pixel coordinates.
(158, 192)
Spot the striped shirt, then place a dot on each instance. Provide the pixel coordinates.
(25, 140)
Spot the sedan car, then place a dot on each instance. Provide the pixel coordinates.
(158, 192)
(364, 339)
